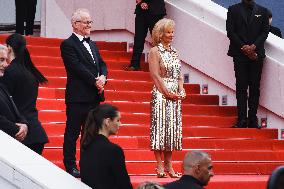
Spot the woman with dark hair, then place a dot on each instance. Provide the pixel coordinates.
(22, 80)
(102, 163)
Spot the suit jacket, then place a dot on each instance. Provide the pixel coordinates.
(276, 31)
(185, 182)
(156, 7)
(23, 87)
(102, 165)
(81, 70)
(242, 31)
(9, 114)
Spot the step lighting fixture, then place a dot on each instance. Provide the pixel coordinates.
(263, 122)
(186, 78)
(282, 134)
(224, 100)
(130, 47)
(205, 89)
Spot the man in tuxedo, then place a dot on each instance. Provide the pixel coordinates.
(25, 13)
(197, 171)
(276, 31)
(148, 13)
(247, 29)
(11, 122)
(86, 77)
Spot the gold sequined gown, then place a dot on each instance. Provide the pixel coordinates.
(166, 117)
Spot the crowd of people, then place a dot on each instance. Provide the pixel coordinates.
(102, 163)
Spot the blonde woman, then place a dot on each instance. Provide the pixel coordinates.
(166, 117)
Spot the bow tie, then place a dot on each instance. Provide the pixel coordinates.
(87, 39)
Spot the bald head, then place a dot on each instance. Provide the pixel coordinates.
(199, 165)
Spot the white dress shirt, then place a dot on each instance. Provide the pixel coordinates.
(80, 37)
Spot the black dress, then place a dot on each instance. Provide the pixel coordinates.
(23, 87)
(102, 165)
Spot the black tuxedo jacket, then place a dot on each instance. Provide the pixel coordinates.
(9, 114)
(276, 31)
(102, 165)
(242, 31)
(156, 7)
(81, 70)
(23, 87)
(185, 182)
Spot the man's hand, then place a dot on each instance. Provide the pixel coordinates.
(23, 130)
(100, 83)
(144, 6)
(249, 51)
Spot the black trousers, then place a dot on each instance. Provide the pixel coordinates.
(25, 12)
(76, 115)
(143, 23)
(36, 147)
(248, 76)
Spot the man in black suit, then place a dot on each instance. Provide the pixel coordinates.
(11, 122)
(148, 13)
(276, 31)
(197, 171)
(25, 13)
(86, 77)
(247, 28)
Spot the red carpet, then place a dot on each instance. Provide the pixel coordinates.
(242, 158)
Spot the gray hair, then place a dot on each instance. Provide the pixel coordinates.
(194, 158)
(2, 47)
(149, 185)
(77, 15)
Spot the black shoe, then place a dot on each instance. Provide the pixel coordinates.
(74, 172)
(131, 68)
(241, 124)
(253, 123)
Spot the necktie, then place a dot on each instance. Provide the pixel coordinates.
(87, 39)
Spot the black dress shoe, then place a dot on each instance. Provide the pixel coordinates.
(74, 172)
(131, 68)
(253, 123)
(240, 124)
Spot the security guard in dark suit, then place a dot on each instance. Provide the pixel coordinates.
(148, 13)
(247, 29)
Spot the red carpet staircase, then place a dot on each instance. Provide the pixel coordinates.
(242, 158)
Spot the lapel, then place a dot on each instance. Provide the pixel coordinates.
(11, 101)
(254, 10)
(83, 49)
(243, 13)
(94, 52)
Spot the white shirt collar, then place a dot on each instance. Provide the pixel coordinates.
(80, 37)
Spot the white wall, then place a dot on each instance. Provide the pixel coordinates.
(7, 11)
(22, 168)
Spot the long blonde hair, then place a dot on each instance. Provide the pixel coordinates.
(159, 30)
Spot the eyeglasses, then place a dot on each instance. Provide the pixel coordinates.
(85, 22)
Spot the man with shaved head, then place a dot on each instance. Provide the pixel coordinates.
(197, 171)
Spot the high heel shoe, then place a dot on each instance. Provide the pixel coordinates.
(174, 174)
(161, 174)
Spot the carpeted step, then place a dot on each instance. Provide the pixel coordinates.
(143, 142)
(137, 107)
(112, 74)
(217, 182)
(228, 156)
(148, 168)
(56, 62)
(129, 118)
(55, 52)
(55, 42)
(194, 132)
